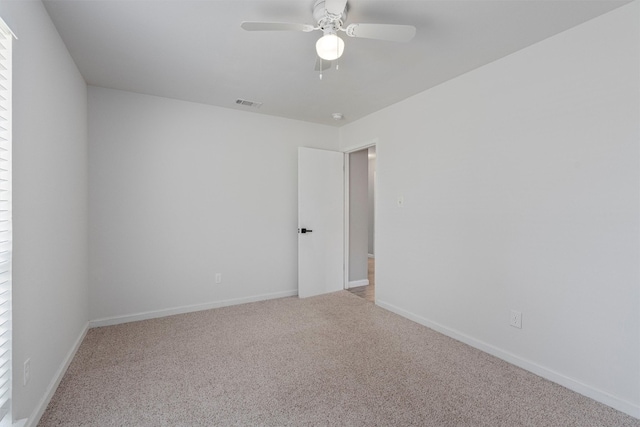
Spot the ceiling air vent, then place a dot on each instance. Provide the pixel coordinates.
(247, 103)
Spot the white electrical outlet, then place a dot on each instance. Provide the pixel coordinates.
(515, 319)
(218, 278)
(27, 372)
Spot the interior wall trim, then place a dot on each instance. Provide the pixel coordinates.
(34, 419)
(116, 320)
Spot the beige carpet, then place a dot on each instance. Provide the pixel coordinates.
(331, 360)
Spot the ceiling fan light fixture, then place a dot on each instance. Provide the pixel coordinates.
(330, 47)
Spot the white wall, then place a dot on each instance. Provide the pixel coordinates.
(358, 218)
(50, 203)
(521, 191)
(182, 191)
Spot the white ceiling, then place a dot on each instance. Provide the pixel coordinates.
(196, 50)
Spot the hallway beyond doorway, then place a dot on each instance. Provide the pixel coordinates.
(368, 292)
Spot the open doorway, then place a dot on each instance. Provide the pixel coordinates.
(361, 220)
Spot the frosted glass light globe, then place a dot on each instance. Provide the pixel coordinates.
(330, 47)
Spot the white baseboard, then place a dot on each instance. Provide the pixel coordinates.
(357, 283)
(116, 320)
(570, 383)
(33, 420)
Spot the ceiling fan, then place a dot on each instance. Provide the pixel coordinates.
(330, 16)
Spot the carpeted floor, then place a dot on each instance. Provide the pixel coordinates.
(332, 360)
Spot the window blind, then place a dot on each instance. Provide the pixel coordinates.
(6, 41)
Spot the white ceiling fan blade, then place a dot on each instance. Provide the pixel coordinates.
(275, 26)
(322, 64)
(335, 7)
(390, 32)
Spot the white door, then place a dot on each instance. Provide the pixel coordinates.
(320, 221)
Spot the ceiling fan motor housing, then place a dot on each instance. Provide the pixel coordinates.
(326, 19)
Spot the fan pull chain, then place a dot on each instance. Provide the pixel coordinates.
(320, 68)
(337, 50)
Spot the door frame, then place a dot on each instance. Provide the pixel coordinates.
(347, 225)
